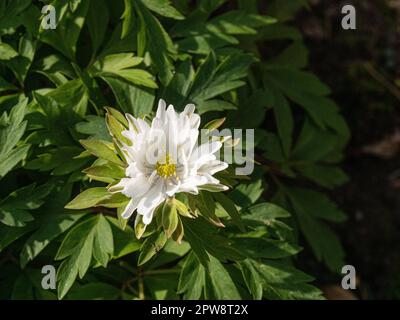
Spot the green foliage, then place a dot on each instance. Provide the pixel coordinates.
(59, 157)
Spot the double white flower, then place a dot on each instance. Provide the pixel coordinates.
(164, 159)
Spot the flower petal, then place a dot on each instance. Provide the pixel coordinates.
(150, 201)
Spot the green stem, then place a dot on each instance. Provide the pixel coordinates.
(141, 287)
(160, 271)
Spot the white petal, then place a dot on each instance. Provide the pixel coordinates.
(171, 186)
(131, 122)
(150, 201)
(189, 185)
(134, 187)
(129, 134)
(161, 109)
(212, 167)
(195, 121)
(143, 125)
(130, 208)
(189, 109)
(205, 153)
(171, 114)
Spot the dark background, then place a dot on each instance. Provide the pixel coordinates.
(362, 68)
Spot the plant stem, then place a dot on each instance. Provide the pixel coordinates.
(141, 287)
(161, 271)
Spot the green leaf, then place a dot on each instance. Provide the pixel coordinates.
(120, 66)
(214, 124)
(282, 281)
(230, 208)
(88, 198)
(102, 149)
(308, 145)
(204, 74)
(103, 242)
(191, 279)
(118, 116)
(95, 127)
(205, 206)
(264, 212)
(93, 291)
(12, 128)
(11, 234)
(316, 204)
(151, 246)
(75, 238)
(79, 246)
(252, 279)
(212, 80)
(284, 120)
(127, 18)
(265, 248)
(323, 241)
(55, 161)
(51, 226)
(7, 52)
(116, 200)
(292, 81)
(169, 217)
(326, 176)
(247, 194)
(137, 77)
(177, 90)
(196, 244)
(20, 65)
(182, 209)
(140, 226)
(132, 99)
(106, 173)
(124, 241)
(85, 255)
(214, 105)
(14, 209)
(13, 158)
(15, 218)
(66, 275)
(275, 272)
(223, 284)
(163, 8)
(12, 15)
(6, 86)
(69, 25)
(203, 239)
(294, 56)
(156, 41)
(116, 128)
(97, 22)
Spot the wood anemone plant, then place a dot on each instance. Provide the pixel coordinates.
(63, 198)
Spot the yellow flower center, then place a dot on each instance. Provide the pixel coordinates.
(166, 169)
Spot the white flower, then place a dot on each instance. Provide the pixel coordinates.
(164, 159)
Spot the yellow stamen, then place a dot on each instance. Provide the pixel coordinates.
(166, 169)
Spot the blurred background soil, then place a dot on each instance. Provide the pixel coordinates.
(363, 69)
